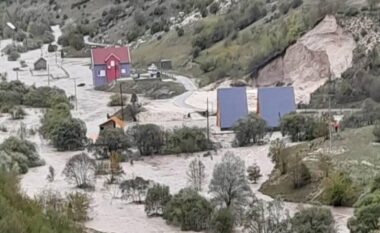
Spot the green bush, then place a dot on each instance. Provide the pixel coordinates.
(222, 221)
(117, 100)
(249, 130)
(18, 155)
(45, 97)
(188, 210)
(186, 140)
(20, 214)
(376, 132)
(339, 190)
(13, 56)
(313, 220)
(69, 134)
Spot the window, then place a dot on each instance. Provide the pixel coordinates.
(123, 71)
(112, 63)
(101, 73)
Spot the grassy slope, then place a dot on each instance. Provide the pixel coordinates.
(359, 157)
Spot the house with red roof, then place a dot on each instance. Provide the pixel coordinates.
(110, 64)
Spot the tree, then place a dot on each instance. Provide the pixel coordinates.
(313, 220)
(254, 173)
(156, 199)
(135, 189)
(276, 153)
(249, 130)
(376, 132)
(196, 174)
(189, 210)
(69, 134)
(229, 184)
(222, 221)
(186, 140)
(293, 124)
(134, 99)
(148, 138)
(80, 169)
(266, 217)
(117, 100)
(110, 140)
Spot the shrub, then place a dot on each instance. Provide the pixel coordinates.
(339, 190)
(45, 97)
(300, 175)
(117, 100)
(135, 189)
(313, 220)
(13, 56)
(156, 199)
(78, 206)
(249, 130)
(186, 140)
(180, 31)
(188, 210)
(69, 134)
(222, 221)
(376, 132)
(214, 8)
(80, 169)
(18, 113)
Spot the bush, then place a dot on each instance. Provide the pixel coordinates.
(300, 175)
(222, 221)
(18, 113)
(339, 190)
(313, 220)
(366, 214)
(45, 97)
(214, 7)
(180, 31)
(69, 134)
(156, 199)
(189, 210)
(135, 189)
(254, 173)
(186, 140)
(13, 56)
(117, 100)
(21, 214)
(20, 154)
(376, 132)
(249, 130)
(148, 138)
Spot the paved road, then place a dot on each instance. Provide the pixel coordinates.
(190, 86)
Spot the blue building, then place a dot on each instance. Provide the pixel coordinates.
(232, 106)
(275, 102)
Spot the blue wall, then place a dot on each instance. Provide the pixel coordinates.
(127, 68)
(99, 81)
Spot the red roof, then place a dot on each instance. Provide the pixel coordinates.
(99, 55)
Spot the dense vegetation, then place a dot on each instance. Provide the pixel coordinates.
(22, 215)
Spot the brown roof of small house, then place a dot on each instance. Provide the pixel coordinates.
(118, 123)
(40, 59)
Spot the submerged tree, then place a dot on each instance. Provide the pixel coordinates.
(80, 169)
(156, 199)
(196, 174)
(229, 183)
(254, 173)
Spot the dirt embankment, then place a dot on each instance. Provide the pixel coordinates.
(325, 50)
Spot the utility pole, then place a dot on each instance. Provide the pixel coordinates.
(48, 70)
(330, 115)
(208, 124)
(122, 103)
(75, 91)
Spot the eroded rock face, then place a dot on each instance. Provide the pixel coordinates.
(325, 50)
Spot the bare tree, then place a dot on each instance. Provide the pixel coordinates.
(229, 183)
(135, 189)
(80, 169)
(276, 153)
(254, 173)
(196, 174)
(266, 217)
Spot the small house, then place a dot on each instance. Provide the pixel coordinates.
(40, 64)
(110, 64)
(232, 106)
(112, 122)
(275, 102)
(153, 71)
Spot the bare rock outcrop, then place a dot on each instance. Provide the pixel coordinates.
(324, 51)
